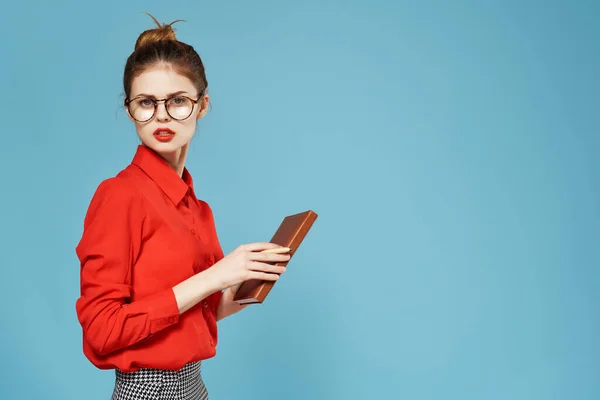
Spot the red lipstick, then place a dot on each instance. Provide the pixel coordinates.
(163, 134)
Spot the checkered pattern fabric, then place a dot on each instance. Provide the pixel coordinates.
(157, 384)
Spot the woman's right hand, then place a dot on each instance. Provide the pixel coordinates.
(248, 262)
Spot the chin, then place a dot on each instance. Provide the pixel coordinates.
(165, 147)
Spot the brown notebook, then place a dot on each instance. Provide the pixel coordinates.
(291, 233)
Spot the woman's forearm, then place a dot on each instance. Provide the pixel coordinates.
(194, 289)
(227, 306)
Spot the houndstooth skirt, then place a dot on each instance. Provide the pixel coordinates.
(158, 384)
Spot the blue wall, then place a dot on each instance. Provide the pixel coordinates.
(450, 149)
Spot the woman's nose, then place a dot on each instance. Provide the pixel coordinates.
(161, 112)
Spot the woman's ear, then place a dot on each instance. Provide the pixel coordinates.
(203, 106)
(128, 113)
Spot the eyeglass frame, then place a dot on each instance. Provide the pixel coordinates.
(127, 101)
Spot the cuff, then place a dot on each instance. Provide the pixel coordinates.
(163, 310)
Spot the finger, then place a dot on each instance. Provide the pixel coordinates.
(262, 267)
(266, 257)
(264, 276)
(277, 250)
(260, 246)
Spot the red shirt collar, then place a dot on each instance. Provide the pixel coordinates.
(157, 168)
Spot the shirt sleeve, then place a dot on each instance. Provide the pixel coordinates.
(214, 300)
(109, 246)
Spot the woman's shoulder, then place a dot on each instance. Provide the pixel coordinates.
(117, 185)
(117, 189)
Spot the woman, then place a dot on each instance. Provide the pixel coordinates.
(154, 280)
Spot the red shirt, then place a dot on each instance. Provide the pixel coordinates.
(144, 232)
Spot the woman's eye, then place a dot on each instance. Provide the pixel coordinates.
(145, 103)
(177, 100)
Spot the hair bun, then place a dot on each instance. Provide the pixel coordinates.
(162, 32)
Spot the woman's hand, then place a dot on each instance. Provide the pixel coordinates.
(247, 262)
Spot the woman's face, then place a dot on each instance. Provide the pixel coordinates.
(166, 134)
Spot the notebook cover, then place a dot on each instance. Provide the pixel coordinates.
(291, 233)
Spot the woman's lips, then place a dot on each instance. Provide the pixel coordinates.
(163, 134)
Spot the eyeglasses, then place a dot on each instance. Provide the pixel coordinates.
(143, 109)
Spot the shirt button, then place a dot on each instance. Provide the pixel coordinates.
(193, 231)
(205, 304)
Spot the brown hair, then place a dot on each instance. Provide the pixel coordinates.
(160, 45)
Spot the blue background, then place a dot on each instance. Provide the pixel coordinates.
(449, 148)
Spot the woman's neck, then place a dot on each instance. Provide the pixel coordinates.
(177, 159)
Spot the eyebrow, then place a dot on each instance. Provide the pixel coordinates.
(154, 97)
